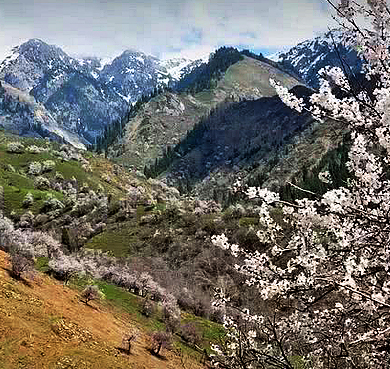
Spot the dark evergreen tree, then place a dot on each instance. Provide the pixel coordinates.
(206, 75)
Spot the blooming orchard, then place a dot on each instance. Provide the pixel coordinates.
(326, 270)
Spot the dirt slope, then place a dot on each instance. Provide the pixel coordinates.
(44, 325)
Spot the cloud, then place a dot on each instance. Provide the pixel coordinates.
(160, 27)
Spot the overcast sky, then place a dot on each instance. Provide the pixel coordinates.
(163, 28)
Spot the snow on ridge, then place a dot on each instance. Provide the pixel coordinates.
(140, 59)
(126, 98)
(9, 59)
(103, 62)
(276, 57)
(174, 67)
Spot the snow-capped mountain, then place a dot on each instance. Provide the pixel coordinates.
(134, 73)
(29, 62)
(308, 57)
(176, 68)
(131, 74)
(85, 94)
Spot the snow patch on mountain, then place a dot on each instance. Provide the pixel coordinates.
(309, 56)
(178, 67)
(175, 66)
(86, 93)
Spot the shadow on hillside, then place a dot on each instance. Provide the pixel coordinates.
(159, 356)
(124, 351)
(90, 306)
(21, 279)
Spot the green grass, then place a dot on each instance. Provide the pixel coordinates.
(123, 239)
(118, 241)
(18, 183)
(211, 332)
(16, 186)
(298, 362)
(248, 221)
(118, 297)
(42, 264)
(187, 350)
(22, 160)
(71, 169)
(122, 299)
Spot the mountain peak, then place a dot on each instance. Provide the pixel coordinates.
(35, 42)
(309, 56)
(133, 51)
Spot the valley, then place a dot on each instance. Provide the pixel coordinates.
(178, 213)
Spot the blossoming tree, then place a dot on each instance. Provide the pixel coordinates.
(328, 281)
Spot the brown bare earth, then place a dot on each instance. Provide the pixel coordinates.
(43, 324)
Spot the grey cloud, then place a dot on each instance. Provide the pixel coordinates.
(106, 28)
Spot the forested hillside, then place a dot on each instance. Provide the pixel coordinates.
(165, 119)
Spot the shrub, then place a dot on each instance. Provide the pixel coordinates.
(66, 267)
(35, 168)
(45, 245)
(26, 220)
(41, 183)
(52, 203)
(28, 200)
(160, 340)
(190, 333)
(48, 166)
(234, 211)
(147, 308)
(171, 313)
(10, 168)
(86, 203)
(90, 293)
(127, 341)
(206, 207)
(15, 148)
(21, 265)
(59, 176)
(33, 149)
(70, 194)
(6, 231)
(100, 189)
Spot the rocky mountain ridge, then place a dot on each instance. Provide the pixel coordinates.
(308, 57)
(21, 114)
(84, 95)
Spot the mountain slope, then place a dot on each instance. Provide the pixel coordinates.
(240, 135)
(22, 114)
(30, 61)
(45, 325)
(46, 72)
(260, 143)
(165, 119)
(308, 57)
(84, 95)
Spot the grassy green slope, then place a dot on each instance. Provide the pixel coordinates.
(16, 181)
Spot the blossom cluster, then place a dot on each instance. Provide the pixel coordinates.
(325, 271)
